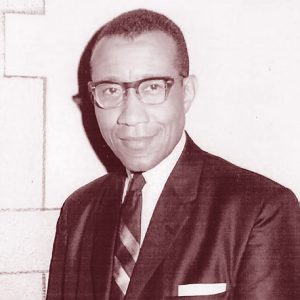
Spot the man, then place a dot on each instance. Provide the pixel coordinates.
(183, 224)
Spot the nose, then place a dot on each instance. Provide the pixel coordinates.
(133, 110)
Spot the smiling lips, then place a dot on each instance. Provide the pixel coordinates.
(136, 143)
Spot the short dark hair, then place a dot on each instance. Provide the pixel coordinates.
(133, 23)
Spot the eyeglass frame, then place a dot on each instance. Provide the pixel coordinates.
(169, 82)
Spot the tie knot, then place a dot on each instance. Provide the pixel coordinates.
(137, 182)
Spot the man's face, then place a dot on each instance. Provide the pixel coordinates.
(141, 135)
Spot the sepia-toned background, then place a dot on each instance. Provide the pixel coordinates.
(246, 55)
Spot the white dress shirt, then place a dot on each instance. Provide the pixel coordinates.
(155, 182)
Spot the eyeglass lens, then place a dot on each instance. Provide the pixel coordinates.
(152, 91)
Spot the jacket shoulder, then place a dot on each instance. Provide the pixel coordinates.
(88, 193)
(235, 179)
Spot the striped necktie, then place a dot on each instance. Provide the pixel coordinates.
(128, 240)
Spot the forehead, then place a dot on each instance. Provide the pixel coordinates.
(151, 53)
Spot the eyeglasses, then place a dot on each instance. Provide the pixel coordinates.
(110, 94)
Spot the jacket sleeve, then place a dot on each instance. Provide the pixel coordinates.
(270, 265)
(57, 265)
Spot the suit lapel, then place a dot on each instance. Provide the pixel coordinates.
(169, 217)
(106, 225)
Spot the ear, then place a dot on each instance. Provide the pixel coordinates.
(190, 87)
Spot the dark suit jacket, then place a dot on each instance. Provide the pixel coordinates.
(214, 223)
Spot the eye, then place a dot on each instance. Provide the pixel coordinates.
(153, 87)
(111, 91)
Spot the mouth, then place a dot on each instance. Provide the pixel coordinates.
(136, 143)
(135, 138)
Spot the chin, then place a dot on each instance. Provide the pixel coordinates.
(138, 166)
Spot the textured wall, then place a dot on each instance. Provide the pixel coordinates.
(246, 55)
(26, 226)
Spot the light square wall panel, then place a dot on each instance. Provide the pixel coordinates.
(21, 286)
(26, 240)
(21, 138)
(26, 6)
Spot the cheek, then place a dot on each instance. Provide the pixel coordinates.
(171, 115)
(176, 122)
(106, 122)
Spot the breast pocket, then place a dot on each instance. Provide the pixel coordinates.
(202, 291)
(219, 296)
